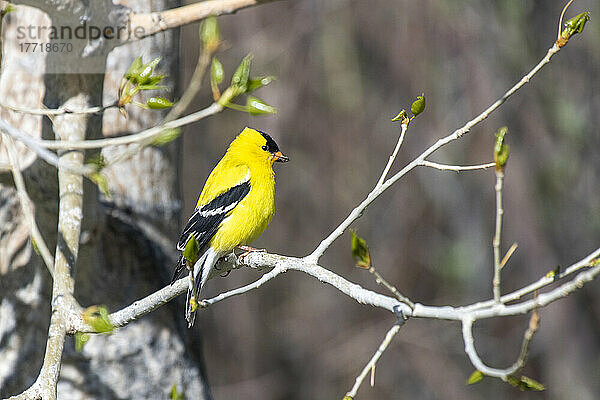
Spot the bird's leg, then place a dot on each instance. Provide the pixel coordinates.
(248, 250)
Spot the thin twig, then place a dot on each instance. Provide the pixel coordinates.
(562, 14)
(357, 212)
(498, 235)
(467, 330)
(244, 289)
(546, 280)
(508, 254)
(280, 264)
(380, 280)
(193, 87)
(456, 168)
(144, 136)
(373, 361)
(37, 237)
(386, 170)
(56, 111)
(46, 155)
(149, 24)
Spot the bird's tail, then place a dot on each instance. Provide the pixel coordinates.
(179, 268)
(202, 270)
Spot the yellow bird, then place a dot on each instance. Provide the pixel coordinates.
(234, 208)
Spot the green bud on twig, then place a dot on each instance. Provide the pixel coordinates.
(360, 251)
(140, 77)
(80, 340)
(400, 117)
(97, 161)
(97, 317)
(573, 26)
(102, 183)
(256, 106)
(257, 83)
(175, 395)
(166, 136)
(191, 250)
(216, 77)
(133, 72)
(418, 105)
(577, 23)
(158, 103)
(146, 72)
(501, 149)
(216, 71)
(239, 80)
(152, 83)
(210, 34)
(525, 383)
(35, 246)
(475, 377)
(9, 8)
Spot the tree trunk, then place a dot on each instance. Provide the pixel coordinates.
(126, 244)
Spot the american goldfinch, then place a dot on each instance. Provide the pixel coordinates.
(234, 207)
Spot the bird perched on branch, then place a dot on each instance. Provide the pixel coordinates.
(234, 208)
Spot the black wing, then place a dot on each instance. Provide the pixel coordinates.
(205, 221)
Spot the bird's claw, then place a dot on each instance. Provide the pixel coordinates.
(248, 250)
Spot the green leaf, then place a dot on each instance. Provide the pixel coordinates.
(153, 81)
(400, 117)
(166, 136)
(100, 181)
(360, 251)
(144, 77)
(531, 384)
(210, 33)
(175, 395)
(216, 71)
(191, 250)
(257, 83)
(152, 87)
(256, 106)
(9, 8)
(133, 72)
(96, 161)
(97, 317)
(194, 304)
(501, 149)
(35, 246)
(239, 80)
(501, 157)
(576, 24)
(525, 383)
(418, 105)
(80, 340)
(159, 103)
(475, 377)
(500, 139)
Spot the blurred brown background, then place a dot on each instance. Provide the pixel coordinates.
(344, 69)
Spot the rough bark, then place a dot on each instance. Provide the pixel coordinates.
(119, 259)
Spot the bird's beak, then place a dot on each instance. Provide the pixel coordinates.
(279, 157)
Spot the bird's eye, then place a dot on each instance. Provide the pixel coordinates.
(265, 148)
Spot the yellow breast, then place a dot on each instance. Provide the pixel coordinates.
(250, 217)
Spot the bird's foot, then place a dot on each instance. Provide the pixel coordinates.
(248, 250)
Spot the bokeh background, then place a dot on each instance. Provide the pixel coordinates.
(344, 68)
